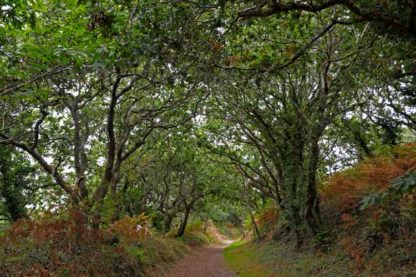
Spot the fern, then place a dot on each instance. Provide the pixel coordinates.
(398, 187)
(404, 184)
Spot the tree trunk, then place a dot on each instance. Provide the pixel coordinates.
(115, 197)
(168, 222)
(312, 203)
(97, 203)
(184, 222)
(255, 227)
(294, 176)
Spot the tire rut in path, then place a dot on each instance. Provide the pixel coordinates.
(205, 262)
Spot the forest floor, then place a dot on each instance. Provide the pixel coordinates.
(204, 262)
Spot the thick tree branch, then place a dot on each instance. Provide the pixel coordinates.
(35, 78)
(45, 165)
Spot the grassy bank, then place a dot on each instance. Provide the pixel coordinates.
(271, 259)
(355, 239)
(58, 247)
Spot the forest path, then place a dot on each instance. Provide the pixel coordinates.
(204, 262)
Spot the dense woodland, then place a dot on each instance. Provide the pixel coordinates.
(131, 129)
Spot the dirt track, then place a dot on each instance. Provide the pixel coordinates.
(205, 262)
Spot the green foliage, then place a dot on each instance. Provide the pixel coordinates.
(370, 200)
(15, 172)
(185, 112)
(322, 240)
(404, 184)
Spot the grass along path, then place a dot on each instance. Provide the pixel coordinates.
(270, 259)
(242, 260)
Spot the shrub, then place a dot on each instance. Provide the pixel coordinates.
(344, 190)
(57, 247)
(268, 218)
(366, 234)
(131, 229)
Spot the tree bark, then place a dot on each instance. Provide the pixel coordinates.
(184, 222)
(255, 226)
(167, 222)
(312, 204)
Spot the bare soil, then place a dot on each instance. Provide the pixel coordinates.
(204, 262)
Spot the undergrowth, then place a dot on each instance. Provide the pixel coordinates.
(272, 259)
(64, 247)
(379, 240)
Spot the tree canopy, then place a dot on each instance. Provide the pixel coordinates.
(197, 110)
